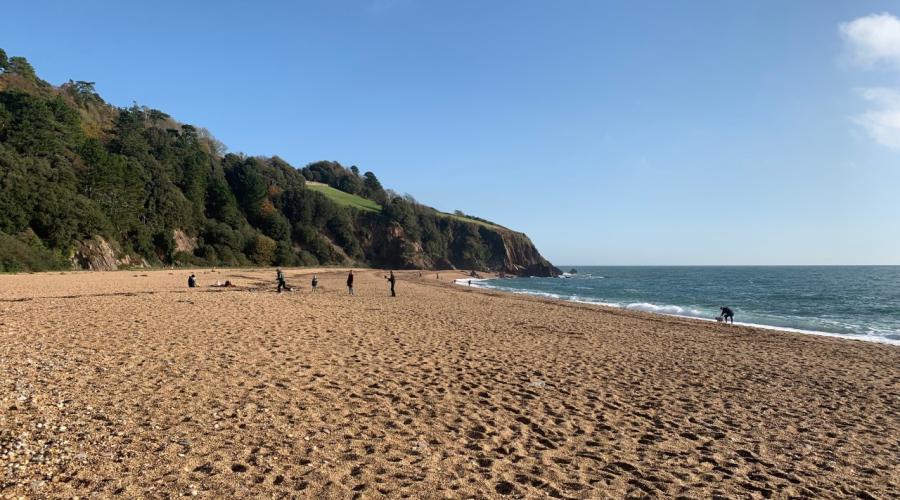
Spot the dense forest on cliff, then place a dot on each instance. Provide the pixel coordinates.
(79, 177)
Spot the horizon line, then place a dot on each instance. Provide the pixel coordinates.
(727, 265)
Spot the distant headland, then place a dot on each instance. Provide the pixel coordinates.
(87, 185)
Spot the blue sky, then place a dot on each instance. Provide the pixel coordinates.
(719, 132)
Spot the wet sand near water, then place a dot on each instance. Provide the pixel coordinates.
(129, 383)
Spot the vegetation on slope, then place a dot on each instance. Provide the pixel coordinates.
(74, 169)
(472, 220)
(344, 199)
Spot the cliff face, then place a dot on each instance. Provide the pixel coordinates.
(521, 257)
(97, 254)
(390, 247)
(507, 251)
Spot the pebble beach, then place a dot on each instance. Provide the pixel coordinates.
(130, 384)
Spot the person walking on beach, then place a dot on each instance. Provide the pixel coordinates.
(392, 280)
(192, 281)
(315, 283)
(279, 276)
(350, 282)
(727, 313)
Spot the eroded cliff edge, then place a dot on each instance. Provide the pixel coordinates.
(504, 250)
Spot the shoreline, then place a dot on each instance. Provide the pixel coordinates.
(606, 305)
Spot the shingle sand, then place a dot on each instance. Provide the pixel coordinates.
(129, 383)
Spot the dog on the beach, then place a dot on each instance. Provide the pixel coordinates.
(720, 319)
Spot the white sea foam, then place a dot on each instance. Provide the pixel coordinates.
(863, 337)
(682, 312)
(666, 309)
(594, 302)
(466, 281)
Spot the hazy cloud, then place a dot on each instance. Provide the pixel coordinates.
(882, 121)
(873, 40)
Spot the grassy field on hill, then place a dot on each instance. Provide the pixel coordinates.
(463, 218)
(366, 205)
(346, 199)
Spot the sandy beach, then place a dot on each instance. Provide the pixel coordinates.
(129, 383)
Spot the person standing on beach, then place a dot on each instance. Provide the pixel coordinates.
(279, 276)
(350, 282)
(392, 280)
(315, 283)
(727, 313)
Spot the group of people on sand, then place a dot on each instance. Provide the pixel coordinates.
(390, 278)
(315, 282)
(282, 283)
(192, 283)
(727, 314)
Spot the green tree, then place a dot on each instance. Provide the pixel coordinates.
(248, 186)
(275, 225)
(164, 245)
(83, 92)
(220, 202)
(262, 250)
(20, 66)
(33, 128)
(298, 205)
(114, 182)
(284, 255)
(470, 246)
(402, 213)
(5, 120)
(373, 190)
(341, 229)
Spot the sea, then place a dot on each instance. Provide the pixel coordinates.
(856, 302)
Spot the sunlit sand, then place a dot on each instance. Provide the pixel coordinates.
(129, 383)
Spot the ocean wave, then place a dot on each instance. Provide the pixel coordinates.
(885, 339)
(544, 294)
(666, 309)
(800, 325)
(594, 302)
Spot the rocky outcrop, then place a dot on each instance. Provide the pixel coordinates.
(507, 251)
(183, 242)
(97, 254)
(390, 247)
(515, 254)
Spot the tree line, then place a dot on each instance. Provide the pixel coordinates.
(72, 168)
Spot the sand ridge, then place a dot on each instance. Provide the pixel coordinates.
(128, 383)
